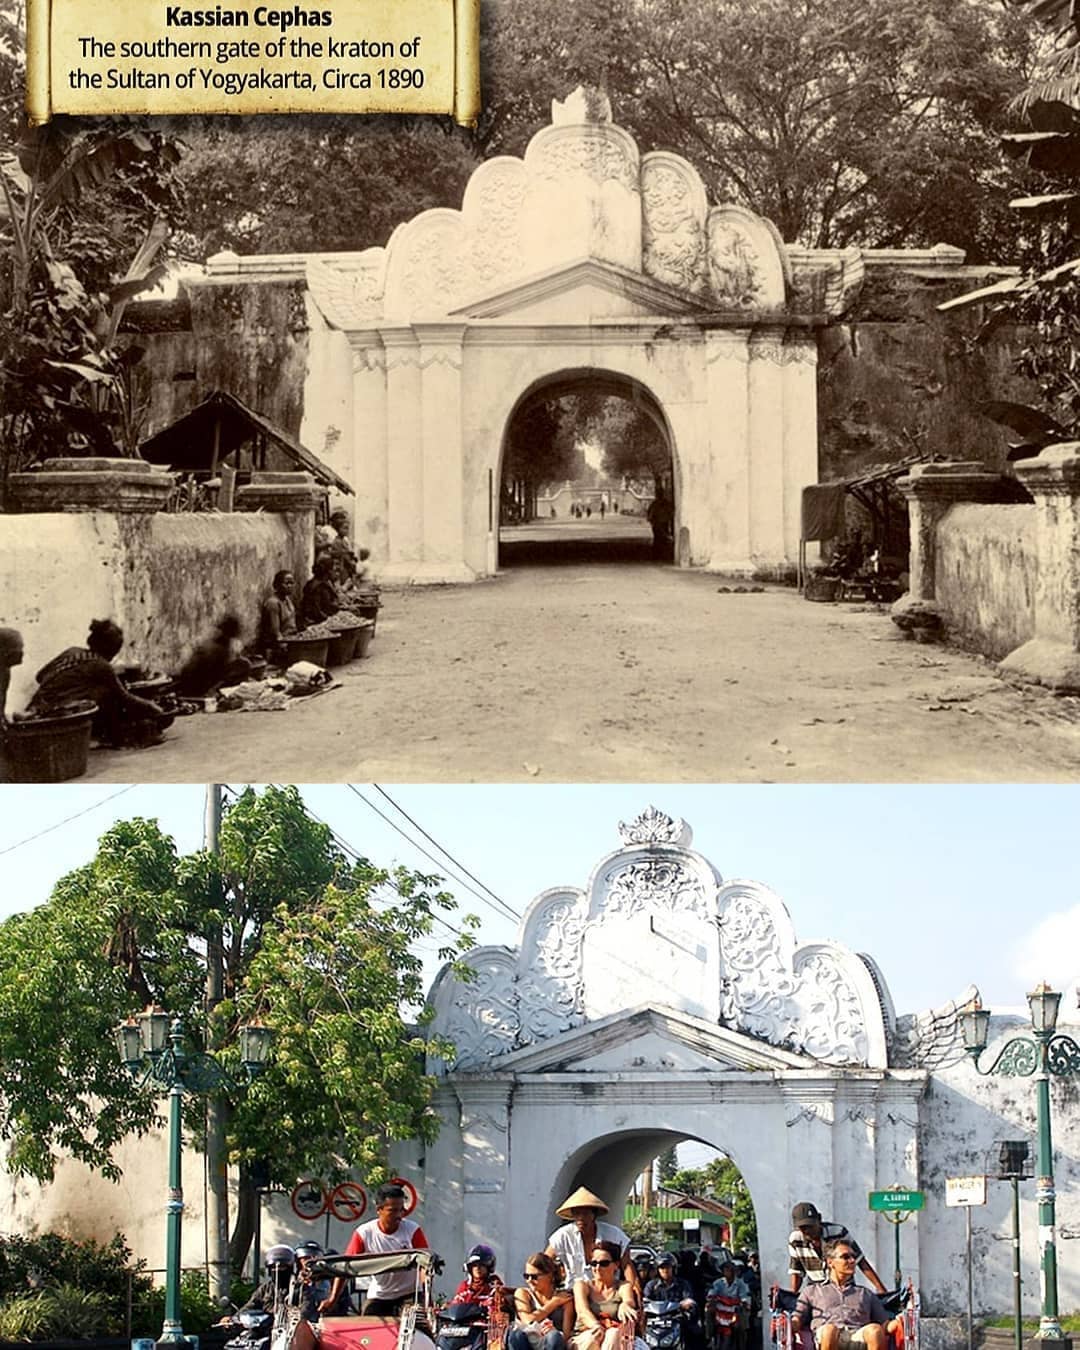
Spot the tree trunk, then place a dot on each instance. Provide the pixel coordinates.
(247, 1210)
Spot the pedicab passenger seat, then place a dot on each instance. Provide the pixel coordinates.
(902, 1303)
(360, 1332)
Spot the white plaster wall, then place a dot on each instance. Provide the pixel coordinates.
(60, 571)
(985, 574)
(165, 578)
(964, 1118)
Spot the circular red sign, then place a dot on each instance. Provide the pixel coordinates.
(347, 1202)
(412, 1199)
(308, 1199)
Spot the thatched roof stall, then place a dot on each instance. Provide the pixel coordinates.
(223, 430)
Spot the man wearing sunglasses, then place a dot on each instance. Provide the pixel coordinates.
(841, 1313)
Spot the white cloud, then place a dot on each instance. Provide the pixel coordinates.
(1050, 952)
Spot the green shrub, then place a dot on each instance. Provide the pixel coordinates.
(24, 1318)
(198, 1312)
(63, 1313)
(50, 1260)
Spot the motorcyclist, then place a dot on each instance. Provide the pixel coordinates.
(481, 1285)
(667, 1287)
(273, 1292)
(311, 1293)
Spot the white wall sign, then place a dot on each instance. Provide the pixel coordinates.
(965, 1191)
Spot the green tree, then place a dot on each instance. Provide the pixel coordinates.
(843, 121)
(320, 947)
(667, 1164)
(282, 184)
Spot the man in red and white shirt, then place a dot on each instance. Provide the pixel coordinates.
(389, 1231)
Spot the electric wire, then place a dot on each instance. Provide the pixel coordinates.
(10, 848)
(357, 856)
(511, 913)
(507, 910)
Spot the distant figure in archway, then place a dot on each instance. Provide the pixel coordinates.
(661, 515)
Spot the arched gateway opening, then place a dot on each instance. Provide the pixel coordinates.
(660, 1003)
(583, 255)
(587, 474)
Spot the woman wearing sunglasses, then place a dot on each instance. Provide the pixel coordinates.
(602, 1302)
(545, 1313)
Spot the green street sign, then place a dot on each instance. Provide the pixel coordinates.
(886, 1201)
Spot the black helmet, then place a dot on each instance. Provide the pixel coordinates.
(278, 1258)
(480, 1255)
(306, 1250)
(667, 1259)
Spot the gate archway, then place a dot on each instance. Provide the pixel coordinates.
(565, 406)
(659, 1003)
(581, 254)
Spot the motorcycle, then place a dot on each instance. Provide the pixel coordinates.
(461, 1326)
(255, 1334)
(665, 1325)
(722, 1313)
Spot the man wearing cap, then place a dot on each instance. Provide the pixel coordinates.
(574, 1241)
(839, 1312)
(806, 1247)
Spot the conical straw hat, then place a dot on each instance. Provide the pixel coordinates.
(582, 1198)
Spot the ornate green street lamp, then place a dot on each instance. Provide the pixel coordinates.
(1022, 1056)
(151, 1047)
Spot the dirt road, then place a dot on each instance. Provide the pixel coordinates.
(632, 672)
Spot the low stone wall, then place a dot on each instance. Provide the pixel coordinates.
(166, 579)
(985, 575)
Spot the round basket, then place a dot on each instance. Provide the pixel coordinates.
(822, 588)
(363, 640)
(305, 649)
(48, 749)
(341, 648)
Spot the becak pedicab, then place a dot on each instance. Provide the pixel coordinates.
(409, 1331)
(901, 1304)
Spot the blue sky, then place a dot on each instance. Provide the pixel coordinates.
(941, 885)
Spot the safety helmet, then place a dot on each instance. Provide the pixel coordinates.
(666, 1259)
(306, 1250)
(279, 1257)
(480, 1255)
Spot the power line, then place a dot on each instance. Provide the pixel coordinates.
(68, 819)
(503, 912)
(498, 899)
(357, 856)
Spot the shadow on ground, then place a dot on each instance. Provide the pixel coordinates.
(569, 552)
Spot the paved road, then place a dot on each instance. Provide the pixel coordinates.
(632, 672)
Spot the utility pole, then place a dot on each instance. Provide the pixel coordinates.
(217, 1188)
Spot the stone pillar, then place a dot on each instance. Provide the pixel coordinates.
(766, 436)
(931, 489)
(126, 486)
(725, 500)
(281, 492)
(800, 452)
(809, 1113)
(443, 454)
(369, 471)
(404, 455)
(1052, 656)
(485, 1149)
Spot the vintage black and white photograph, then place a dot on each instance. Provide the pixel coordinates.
(704, 412)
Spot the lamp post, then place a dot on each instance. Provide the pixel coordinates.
(1041, 1056)
(151, 1047)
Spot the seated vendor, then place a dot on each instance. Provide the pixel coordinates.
(320, 599)
(277, 617)
(214, 662)
(85, 675)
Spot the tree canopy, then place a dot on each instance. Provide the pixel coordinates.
(721, 1180)
(843, 121)
(318, 945)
